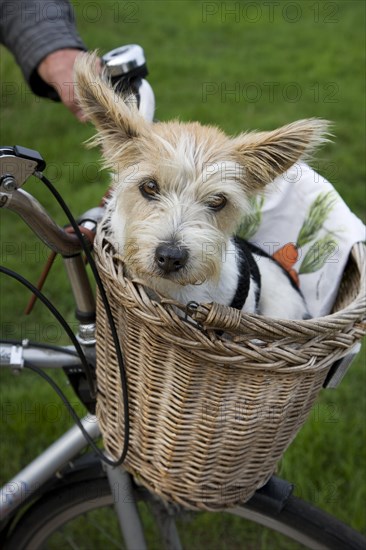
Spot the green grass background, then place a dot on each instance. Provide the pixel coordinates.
(285, 61)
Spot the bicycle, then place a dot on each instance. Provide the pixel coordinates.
(64, 482)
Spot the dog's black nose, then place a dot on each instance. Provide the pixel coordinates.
(170, 257)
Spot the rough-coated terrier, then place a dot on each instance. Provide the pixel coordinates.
(180, 192)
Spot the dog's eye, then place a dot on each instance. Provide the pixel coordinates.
(149, 189)
(216, 202)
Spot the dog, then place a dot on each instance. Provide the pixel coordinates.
(180, 192)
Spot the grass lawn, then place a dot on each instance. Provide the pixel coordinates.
(239, 65)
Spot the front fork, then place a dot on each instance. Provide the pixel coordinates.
(131, 527)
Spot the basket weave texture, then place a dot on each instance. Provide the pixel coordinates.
(213, 404)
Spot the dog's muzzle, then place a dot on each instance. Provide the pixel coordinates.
(171, 258)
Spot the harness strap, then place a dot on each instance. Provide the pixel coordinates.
(248, 270)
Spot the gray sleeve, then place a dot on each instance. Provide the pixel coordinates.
(32, 29)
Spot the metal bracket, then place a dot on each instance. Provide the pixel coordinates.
(16, 359)
(340, 367)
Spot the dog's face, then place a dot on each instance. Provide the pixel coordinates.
(181, 189)
(178, 199)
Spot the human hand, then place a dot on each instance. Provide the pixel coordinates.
(57, 70)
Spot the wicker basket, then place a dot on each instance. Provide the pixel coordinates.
(211, 415)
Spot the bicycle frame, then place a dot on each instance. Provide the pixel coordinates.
(24, 485)
(16, 165)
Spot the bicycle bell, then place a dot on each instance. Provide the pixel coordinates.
(126, 61)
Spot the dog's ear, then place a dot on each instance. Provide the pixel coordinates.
(266, 155)
(116, 118)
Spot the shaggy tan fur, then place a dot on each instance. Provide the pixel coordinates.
(261, 156)
(193, 167)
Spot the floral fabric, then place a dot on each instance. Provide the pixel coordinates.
(305, 224)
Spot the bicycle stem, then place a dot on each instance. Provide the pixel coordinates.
(81, 289)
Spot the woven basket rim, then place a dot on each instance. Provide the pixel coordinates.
(353, 312)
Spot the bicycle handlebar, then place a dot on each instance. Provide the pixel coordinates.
(31, 211)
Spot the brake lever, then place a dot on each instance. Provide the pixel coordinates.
(17, 164)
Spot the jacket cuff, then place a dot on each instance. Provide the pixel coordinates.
(44, 40)
(36, 83)
(42, 47)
